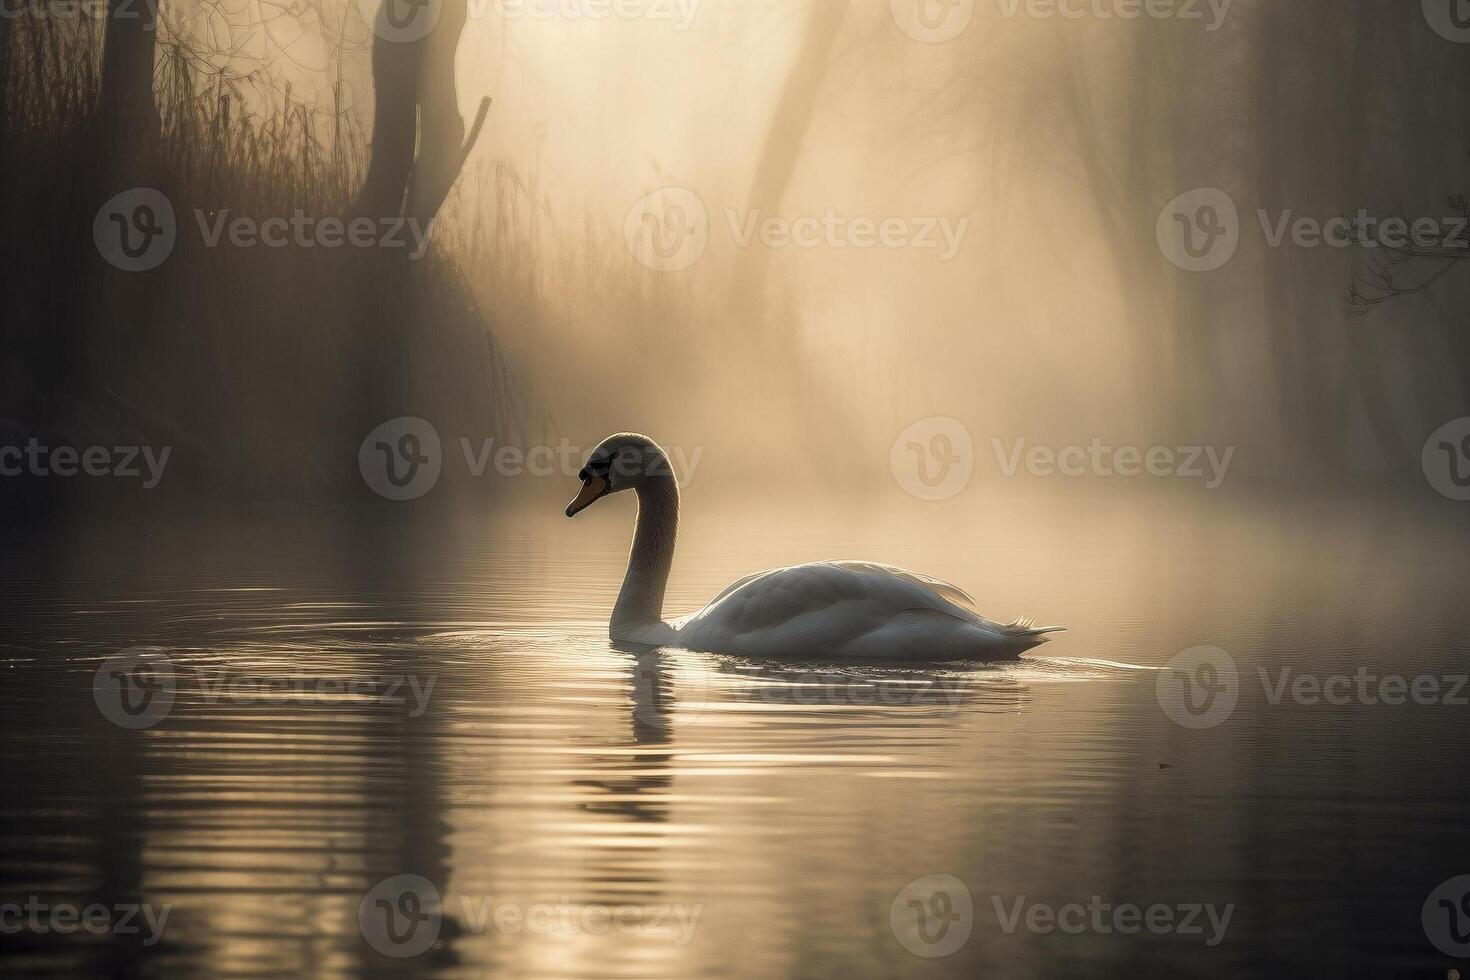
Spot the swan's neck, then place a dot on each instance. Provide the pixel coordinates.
(641, 601)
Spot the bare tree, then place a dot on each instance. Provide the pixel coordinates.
(782, 149)
(418, 142)
(129, 112)
(1400, 269)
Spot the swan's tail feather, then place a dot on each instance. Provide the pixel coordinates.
(1026, 629)
(1029, 626)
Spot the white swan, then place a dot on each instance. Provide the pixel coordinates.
(827, 609)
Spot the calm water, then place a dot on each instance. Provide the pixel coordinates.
(352, 707)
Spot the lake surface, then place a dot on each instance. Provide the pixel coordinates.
(400, 750)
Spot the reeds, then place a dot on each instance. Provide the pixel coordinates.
(263, 366)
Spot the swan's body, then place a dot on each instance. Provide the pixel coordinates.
(848, 609)
(828, 609)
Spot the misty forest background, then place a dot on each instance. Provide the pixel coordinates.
(531, 321)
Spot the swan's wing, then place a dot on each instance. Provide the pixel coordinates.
(949, 591)
(737, 585)
(861, 590)
(849, 607)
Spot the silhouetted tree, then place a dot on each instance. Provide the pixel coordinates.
(129, 45)
(782, 148)
(418, 143)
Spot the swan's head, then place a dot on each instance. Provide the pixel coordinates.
(622, 462)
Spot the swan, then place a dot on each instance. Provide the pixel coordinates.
(847, 609)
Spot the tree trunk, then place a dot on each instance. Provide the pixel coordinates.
(417, 129)
(1120, 192)
(782, 149)
(128, 111)
(1355, 132)
(5, 109)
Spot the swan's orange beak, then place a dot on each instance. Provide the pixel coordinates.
(592, 489)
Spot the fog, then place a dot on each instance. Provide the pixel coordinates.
(1051, 145)
(787, 232)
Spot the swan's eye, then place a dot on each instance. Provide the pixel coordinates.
(600, 468)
